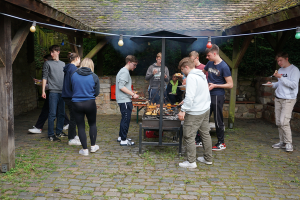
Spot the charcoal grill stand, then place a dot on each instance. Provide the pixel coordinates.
(145, 128)
(152, 37)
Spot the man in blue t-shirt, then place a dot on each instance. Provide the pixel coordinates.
(219, 78)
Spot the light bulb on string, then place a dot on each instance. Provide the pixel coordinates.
(121, 43)
(297, 36)
(209, 45)
(63, 42)
(32, 28)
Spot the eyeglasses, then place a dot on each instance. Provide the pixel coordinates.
(134, 64)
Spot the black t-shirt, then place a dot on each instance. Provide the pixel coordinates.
(216, 74)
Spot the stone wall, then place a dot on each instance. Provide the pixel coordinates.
(245, 86)
(107, 106)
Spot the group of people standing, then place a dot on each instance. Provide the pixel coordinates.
(75, 87)
(205, 94)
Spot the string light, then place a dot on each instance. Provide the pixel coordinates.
(140, 36)
(209, 45)
(121, 43)
(297, 36)
(32, 28)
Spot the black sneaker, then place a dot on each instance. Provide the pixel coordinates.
(219, 146)
(62, 134)
(54, 139)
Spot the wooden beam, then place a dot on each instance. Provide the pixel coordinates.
(96, 49)
(243, 50)
(279, 19)
(2, 58)
(49, 12)
(7, 139)
(72, 41)
(19, 39)
(234, 74)
(225, 58)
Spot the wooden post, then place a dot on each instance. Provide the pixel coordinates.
(79, 41)
(72, 43)
(7, 143)
(234, 74)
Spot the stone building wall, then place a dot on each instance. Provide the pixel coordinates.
(107, 106)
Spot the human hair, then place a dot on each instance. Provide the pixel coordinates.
(282, 55)
(214, 48)
(48, 57)
(194, 54)
(130, 58)
(158, 55)
(87, 62)
(187, 61)
(54, 48)
(72, 56)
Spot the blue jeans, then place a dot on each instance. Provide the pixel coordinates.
(154, 96)
(56, 103)
(126, 109)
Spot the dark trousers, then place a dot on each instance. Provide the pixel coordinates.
(174, 98)
(125, 109)
(56, 110)
(216, 107)
(44, 114)
(81, 109)
(72, 124)
(155, 96)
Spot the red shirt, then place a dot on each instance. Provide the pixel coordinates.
(201, 67)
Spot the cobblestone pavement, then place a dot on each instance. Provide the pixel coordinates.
(248, 169)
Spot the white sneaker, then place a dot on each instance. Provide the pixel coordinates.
(66, 127)
(187, 164)
(74, 142)
(119, 139)
(76, 138)
(279, 145)
(35, 130)
(288, 147)
(127, 142)
(84, 152)
(94, 148)
(201, 159)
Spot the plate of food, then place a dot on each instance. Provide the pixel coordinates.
(182, 87)
(268, 84)
(178, 74)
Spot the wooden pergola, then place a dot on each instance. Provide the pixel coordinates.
(40, 12)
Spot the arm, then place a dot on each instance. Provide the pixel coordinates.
(291, 83)
(97, 85)
(125, 90)
(166, 74)
(189, 94)
(204, 71)
(45, 77)
(228, 84)
(149, 73)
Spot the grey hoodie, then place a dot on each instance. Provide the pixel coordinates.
(155, 79)
(197, 96)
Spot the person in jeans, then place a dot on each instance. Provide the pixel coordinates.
(85, 87)
(219, 78)
(153, 76)
(69, 69)
(123, 98)
(195, 112)
(53, 74)
(37, 128)
(285, 98)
